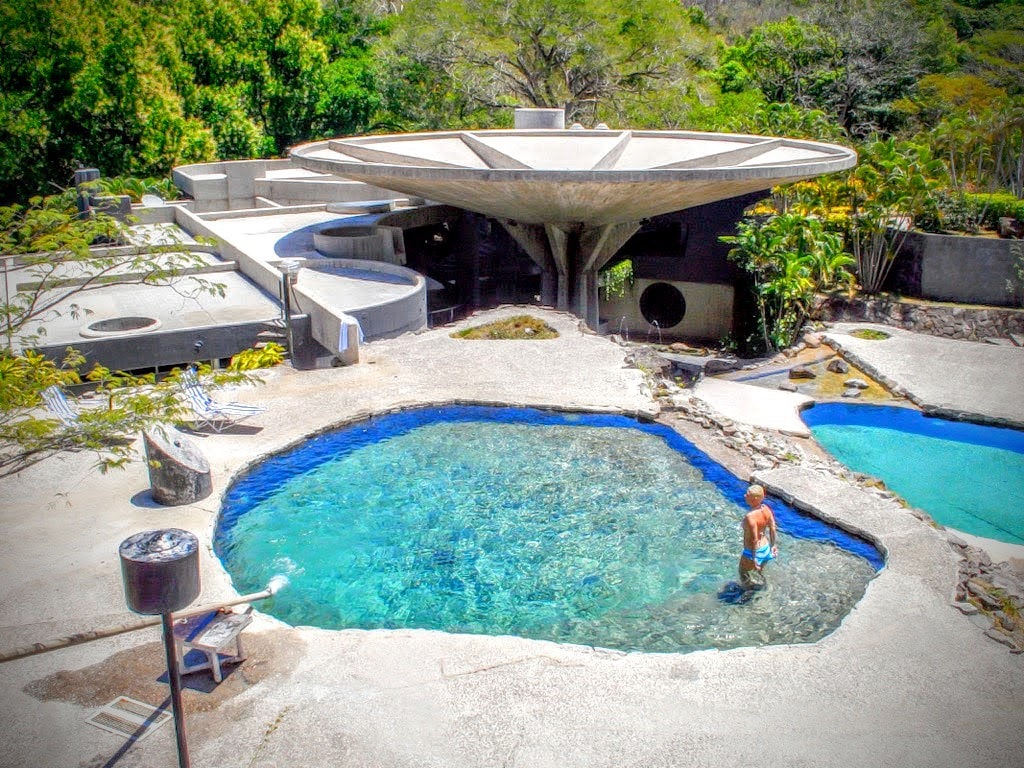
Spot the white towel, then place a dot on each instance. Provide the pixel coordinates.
(347, 322)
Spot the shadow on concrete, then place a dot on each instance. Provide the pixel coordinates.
(233, 429)
(144, 500)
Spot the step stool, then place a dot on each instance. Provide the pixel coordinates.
(208, 635)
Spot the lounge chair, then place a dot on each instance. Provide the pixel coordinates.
(58, 405)
(207, 411)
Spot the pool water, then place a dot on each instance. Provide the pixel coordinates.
(967, 476)
(590, 529)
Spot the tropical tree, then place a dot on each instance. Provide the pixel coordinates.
(789, 257)
(850, 60)
(50, 266)
(93, 82)
(592, 57)
(894, 183)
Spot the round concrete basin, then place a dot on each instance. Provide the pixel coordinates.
(372, 243)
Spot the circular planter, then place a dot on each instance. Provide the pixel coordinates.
(372, 243)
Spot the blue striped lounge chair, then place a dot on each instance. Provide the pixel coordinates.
(206, 411)
(57, 404)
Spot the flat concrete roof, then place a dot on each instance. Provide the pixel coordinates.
(177, 307)
(906, 680)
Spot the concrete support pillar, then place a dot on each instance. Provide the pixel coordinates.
(570, 256)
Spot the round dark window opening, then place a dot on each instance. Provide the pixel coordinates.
(663, 305)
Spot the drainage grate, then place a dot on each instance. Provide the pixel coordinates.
(128, 717)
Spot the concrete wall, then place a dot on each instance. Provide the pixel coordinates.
(241, 184)
(709, 311)
(135, 351)
(357, 242)
(969, 270)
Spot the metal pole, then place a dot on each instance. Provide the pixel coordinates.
(98, 634)
(287, 301)
(174, 677)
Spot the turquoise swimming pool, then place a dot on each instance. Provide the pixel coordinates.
(578, 528)
(967, 476)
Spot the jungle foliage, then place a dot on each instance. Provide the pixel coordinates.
(135, 87)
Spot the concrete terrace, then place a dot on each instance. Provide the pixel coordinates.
(906, 680)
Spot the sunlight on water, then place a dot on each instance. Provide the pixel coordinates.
(541, 527)
(967, 476)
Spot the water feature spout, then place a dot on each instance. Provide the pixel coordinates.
(653, 327)
(624, 324)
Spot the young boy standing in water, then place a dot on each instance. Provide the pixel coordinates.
(759, 534)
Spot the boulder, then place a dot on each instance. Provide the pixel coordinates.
(802, 372)
(178, 471)
(838, 365)
(1011, 228)
(812, 340)
(855, 384)
(851, 392)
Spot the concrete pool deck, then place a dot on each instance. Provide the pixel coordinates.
(906, 680)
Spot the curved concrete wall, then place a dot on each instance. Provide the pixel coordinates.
(378, 319)
(357, 242)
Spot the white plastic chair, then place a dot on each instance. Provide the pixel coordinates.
(208, 412)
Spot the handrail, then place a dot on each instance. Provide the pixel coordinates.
(79, 638)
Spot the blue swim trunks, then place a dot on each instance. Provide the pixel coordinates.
(761, 556)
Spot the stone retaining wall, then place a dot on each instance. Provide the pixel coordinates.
(953, 322)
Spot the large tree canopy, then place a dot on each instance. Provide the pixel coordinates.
(137, 86)
(592, 57)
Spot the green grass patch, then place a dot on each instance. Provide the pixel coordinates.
(518, 327)
(869, 333)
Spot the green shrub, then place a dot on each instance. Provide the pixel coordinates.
(970, 211)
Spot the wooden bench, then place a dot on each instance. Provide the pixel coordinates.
(209, 634)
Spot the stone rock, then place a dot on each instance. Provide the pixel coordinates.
(955, 540)
(1010, 227)
(981, 621)
(999, 637)
(801, 372)
(838, 365)
(1004, 621)
(851, 392)
(812, 340)
(178, 471)
(679, 346)
(966, 608)
(856, 383)
(1008, 584)
(787, 386)
(983, 597)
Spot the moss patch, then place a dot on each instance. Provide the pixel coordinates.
(870, 334)
(518, 327)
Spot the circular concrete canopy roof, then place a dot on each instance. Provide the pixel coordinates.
(590, 177)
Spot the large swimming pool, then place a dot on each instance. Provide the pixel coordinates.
(577, 528)
(967, 476)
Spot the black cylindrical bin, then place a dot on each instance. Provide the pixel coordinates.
(160, 570)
